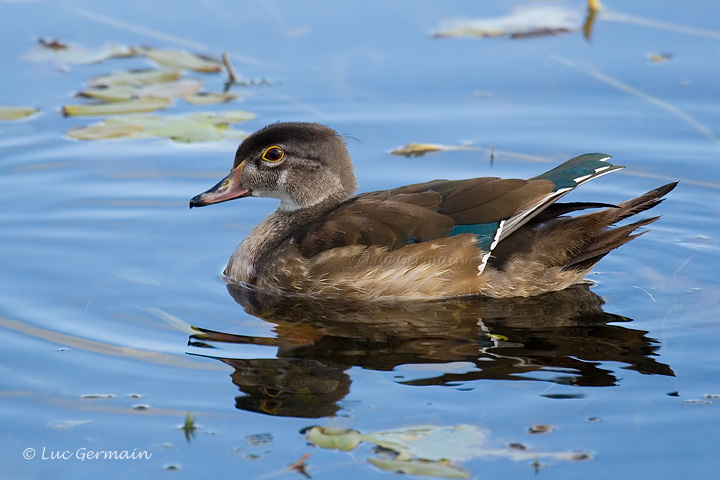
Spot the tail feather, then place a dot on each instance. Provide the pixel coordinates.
(608, 238)
(577, 242)
(639, 204)
(603, 244)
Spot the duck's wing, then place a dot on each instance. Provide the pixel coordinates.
(421, 212)
(490, 208)
(379, 218)
(494, 208)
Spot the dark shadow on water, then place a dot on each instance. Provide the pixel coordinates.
(561, 337)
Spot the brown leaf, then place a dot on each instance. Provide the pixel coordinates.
(300, 466)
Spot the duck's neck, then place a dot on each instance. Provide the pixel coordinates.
(267, 236)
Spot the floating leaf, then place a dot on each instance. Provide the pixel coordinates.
(233, 116)
(134, 77)
(8, 112)
(73, 54)
(420, 149)
(188, 128)
(174, 89)
(334, 438)
(434, 443)
(424, 468)
(523, 22)
(128, 106)
(168, 90)
(660, 57)
(300, 466)
(198, 127)
(113, 93)
(183, 60)
(52, 44)
(540, 429)
(458, 443)
(104, 131)
(209, 98)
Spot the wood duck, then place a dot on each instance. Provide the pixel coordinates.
(444, 238)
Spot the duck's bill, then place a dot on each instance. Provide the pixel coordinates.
(229, 188)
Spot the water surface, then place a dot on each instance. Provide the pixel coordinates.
(104, 269)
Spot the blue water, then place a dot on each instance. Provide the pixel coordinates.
(104, 268)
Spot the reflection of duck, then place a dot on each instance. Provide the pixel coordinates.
(559, 337)
(487, 236)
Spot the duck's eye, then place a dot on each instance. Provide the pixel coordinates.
(273, 154)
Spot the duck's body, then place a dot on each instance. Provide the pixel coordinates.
(444, 238)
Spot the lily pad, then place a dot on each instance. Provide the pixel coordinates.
(209, 98)
(74, 54)
(104, 131)
(334, 438)
(115, 108)
(458, 443)
(540, 429)
(660, 57)
(113, 93)
(424, 468)
(432, 450)
(523, 22)
(182, 59)
(188, 128)
(175, 89)
(172, 89)
(8, 112)
(134, 77)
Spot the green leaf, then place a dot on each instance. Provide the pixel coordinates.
(458, 443)
(104, 131)
(117, 93)
(455, 443)
(188, 128)
(183, 60)
(134, 77)
(128, 106)
(421, 467)
(174, 89)
(334, 438)
(113, 93)
(231, 116)
(660, 57)
(209, 98)
(73, 54)
(9, 112)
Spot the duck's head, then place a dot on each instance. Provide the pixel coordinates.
(302, 164)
